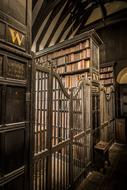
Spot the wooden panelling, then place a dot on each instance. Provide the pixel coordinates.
(1, 65)
(16, 69)
(2, 30)
(17, 184)
(13, 67)
(12, 9)
(15, 104)
(13, 154)
(15, 93)
(3, 5)
(0, 103)
(120, 130)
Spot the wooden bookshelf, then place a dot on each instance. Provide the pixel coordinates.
(73, 60)
(107, 74)
(74, 57)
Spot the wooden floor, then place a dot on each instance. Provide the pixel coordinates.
(115, 177)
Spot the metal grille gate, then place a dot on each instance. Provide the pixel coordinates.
(61, 140)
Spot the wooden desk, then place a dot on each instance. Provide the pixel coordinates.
(101, 155)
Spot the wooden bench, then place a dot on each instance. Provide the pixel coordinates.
(101, 155)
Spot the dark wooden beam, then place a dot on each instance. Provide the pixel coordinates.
(53, 14)
(34, 3)
(111, 19)
(78, 10)
(64, 29)
(67, 9)
(103, 10)
(108, 1)
(82, 26)
(80, 22)
(85, 18)
(44, 11)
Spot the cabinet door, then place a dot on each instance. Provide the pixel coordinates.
(15, 104)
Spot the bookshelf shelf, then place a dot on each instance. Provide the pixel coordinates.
(75, 72)
(106, 78)
(77, 60)
(71, 62)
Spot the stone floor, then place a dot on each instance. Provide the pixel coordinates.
(115, 177)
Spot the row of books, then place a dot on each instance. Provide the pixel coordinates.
(107, 81)
(73, 57)
(71, 80)
(83, 64)
(61, 69)
(80, 55)
(106, 75)
(66, 58)
(79, 46)
(106, 69)
(77, 66)
(61, 60)
(60, 55)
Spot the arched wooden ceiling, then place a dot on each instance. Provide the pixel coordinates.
(57, 20)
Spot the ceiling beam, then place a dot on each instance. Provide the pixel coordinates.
(103, 10)
(44, 11)
(75, 11)
(75, 14)
(52, 16)
(85, 18)
(112, 19)
(68, 7)
(34, 3)
(82, 17)
(36, 10)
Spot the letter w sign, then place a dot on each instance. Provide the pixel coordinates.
(16, 37)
